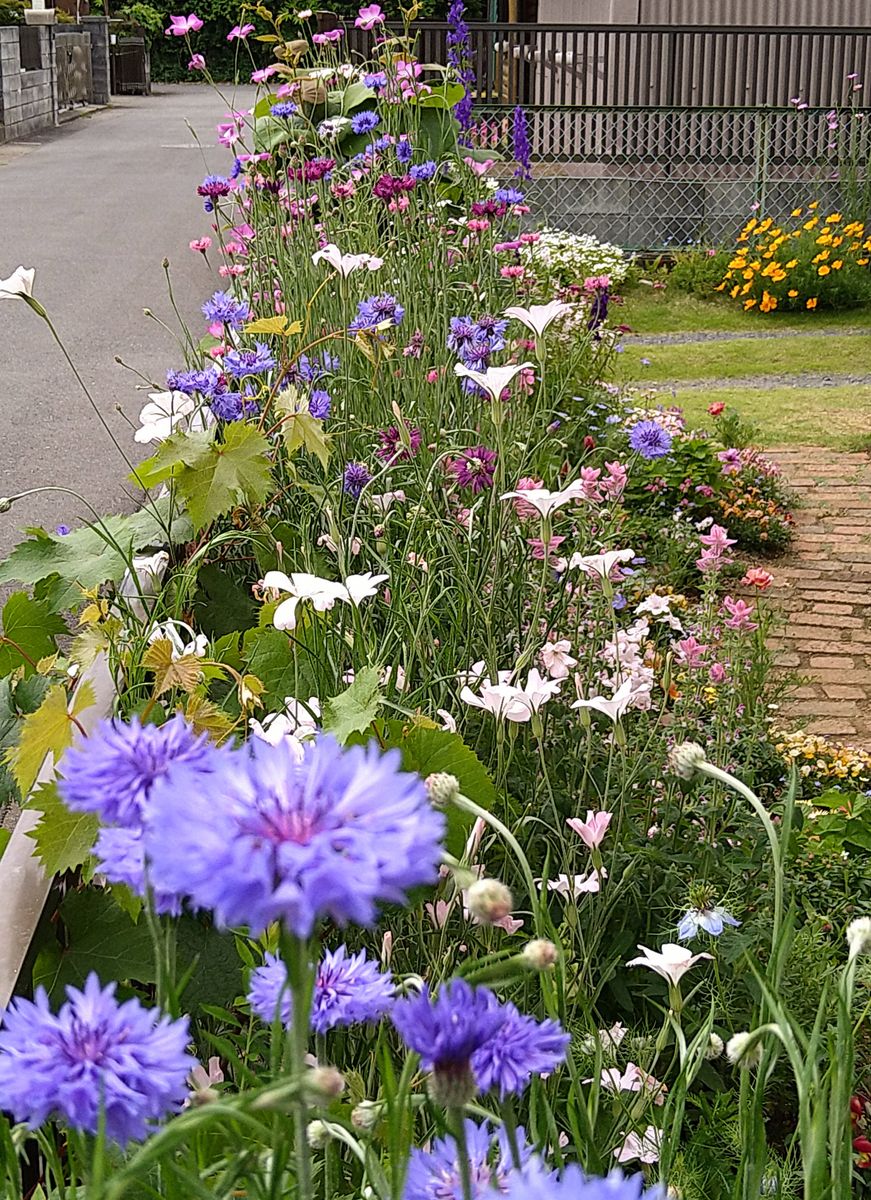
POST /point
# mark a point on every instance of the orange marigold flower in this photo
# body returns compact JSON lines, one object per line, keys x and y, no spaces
{"x":792,"y":294}
{"x":812,"y":303}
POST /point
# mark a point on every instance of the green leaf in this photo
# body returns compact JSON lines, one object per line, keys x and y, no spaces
{"x":221,"y":604}
{"x":217,"y":976}
{"x":217,"y":477}
{"x":49,"y":730}
{"x":299,"y":428}
{"x":32,"y":627}
{"x":101,"y":938}
{"x":15,"y":703}
{"x":354,"y":710}
{"x":355,"y":95}
{"x":63,"y":839}
{"x":269,"y":656}
{"x":280,"y":325}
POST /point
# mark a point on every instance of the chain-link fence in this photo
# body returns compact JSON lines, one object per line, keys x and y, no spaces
{"x":655,"y":178}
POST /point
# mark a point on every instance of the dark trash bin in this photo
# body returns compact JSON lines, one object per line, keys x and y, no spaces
{"x":131,"y":66}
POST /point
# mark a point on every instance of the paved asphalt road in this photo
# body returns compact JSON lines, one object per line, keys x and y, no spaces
{"x":95,"y":207}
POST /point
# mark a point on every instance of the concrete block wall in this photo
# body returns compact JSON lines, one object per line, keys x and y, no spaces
{"x":28,"y":99}
{"x":98,"y":29}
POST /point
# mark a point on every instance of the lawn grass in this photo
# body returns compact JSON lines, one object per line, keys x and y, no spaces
{"x":833,"y":354}
{"x":839,"y":417}
{"x":651,"y":312}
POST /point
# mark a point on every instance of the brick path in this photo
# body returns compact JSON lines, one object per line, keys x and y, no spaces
{"x":824,"y":586}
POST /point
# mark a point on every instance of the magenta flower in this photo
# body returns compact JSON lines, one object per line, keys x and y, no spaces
{"x":739,"y":615}
{"x":263,"y":74}
{"x":475,"y":467}
{"x":369,"y":16}
{"x":182,"y":26}
{"x":593,"y":830}
{"x":392,"y":448}
{"x":331,"y":35}
{"x":240,"y":32}
{"x":197,"y":63}
{"x":690,"y":652}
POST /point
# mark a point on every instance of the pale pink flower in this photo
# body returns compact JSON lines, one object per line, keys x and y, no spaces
{"x":672,"y":962}
{"x":556,"y":658}
{"x":600,"y":566}
{"x":614,"y":486}
{"x":478,"y":168}
{"x":239,"y":31}
{"x":578,"y":885}
{"x":438,"y":913}
{"x":201,"y":245}
{"x":369,"y":16}
{"x":261,"y":75}
{"x":718,"y":540}
{"x":739,"y":615}
{"x":645,"y":1148}
{"x":522,"y":507}
{"x":613,"y":708}
{"x":386,"y":947}
{"x":553,"y":546}
{"x":509,"y":924}
{"x":592,"y":831}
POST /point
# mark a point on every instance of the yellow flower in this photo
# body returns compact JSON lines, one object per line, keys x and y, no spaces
{"x":815,"y":204}
{"x":833,"y":218}
{"x":824,"y":270}
{"x":812,"y":303}
{"x":738,"y":263}
{"x":748,"y":304}
{"x":837,"y":264}
{"x":792,"y":294}
{"x":863,"y":262}
{"x":796,"y":212}
{"x":812,"y":223}
{"x":778,"y":276}
{"x":769,"y":303}
{"x":793,"y":262}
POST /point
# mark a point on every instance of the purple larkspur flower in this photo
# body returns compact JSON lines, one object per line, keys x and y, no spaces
{"x":434,"y":1174}
{"x":240,"y":363}
{"x":377,"y":310}
{"x":284,"y":109}
{"x":227,"y":310}
{"x":475,"y":467}
{"x":320,"y":404}
{"x":448,"y":1028}
{"x":349,"y":989}
{"x":94,"y":1055}
{"x":335,"y":834}
{"x":365,"y":122}
{"x":423,"y":172}
{"x":392,"y":448}
{"x":354,"y":478}
{"x":649,"y":439}
{"x":535,"y":1184}
{"x":520,"y":1048}
{"x":521,"y":148}
{"x":459,"y":45}
{"x":114,"y":771}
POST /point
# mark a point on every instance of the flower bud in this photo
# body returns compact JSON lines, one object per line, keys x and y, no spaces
{"x":489,"y":901}
{"x":859,"y":936}
{"x":5,"y":504}
{"x":317,"y":1135}
{"x":442,"y":789}
{"x":366,"y":1115}
{"x":741,"y":1054}
{"x":326,"y":1082}
{"x":540,"y":954}
{"x":453,"y":1086}
{"x":684,"y":760}
{"x":715,"y":1047}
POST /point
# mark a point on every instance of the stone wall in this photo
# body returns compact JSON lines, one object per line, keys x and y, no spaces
{"x":98,"y":28}
{"x":28,"y":98}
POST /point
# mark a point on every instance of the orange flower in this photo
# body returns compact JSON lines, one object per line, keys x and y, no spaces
{"x":769,"y":303}
{"x":824,"y":270}
{"x":833,"y":218}
{"x":837,"y":264}
{"x":748,"y":304}
{"x":812,"y":303}
{"x":792,"y":294}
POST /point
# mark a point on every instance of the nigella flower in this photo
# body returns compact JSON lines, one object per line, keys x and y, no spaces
{"x":284,"y":109}
{"x":320,"y":404}
{"x":213,"y":188}
{"x":521,"y":148}
{"x":434,"y":1174}
{"x":520,"y":1048}
{"x":354,"y":478}
{"x":272,"y":838}
{"x":445,"y":1031}
{"x":94,"y":1057}
{"x":375,"y":312}
{"x":423,"y":172}
{"x":349,"y":988}
{"x":365,"y":122}
{"x":393,"y":449}
{"x":649,"y":439}
{"x":226,"y":310}
{"x":508,"y":195}
{"x":227,"y":406}
{"x":240,"y":363}
{"x":710,"y":920}
{"x":475,"y":467}
{"x":113,"y":772}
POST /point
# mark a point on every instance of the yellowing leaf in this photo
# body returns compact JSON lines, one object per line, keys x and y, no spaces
{"x":278,"y":325}
{"x":181,"y":672}
{"x":299,"y":429}
{"x":49,"y":730}
{"x":206,"y":717}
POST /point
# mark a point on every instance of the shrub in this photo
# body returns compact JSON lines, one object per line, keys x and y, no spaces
{"x":698,"y":272}
{"x":818,"y":263}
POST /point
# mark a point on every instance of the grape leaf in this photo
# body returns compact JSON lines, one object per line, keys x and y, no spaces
{"x":169,"y":672}
{"x":221,"y":475}
{"x":63,"y":839}
{"x":269,"y":656}
{"x":49,"y":730}
{"x":31,"y":628}
{"x":354,"y":710}
{"x":299,"y":429}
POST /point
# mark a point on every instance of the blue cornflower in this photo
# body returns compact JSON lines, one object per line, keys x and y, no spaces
{"x":227,"y":406}
{"x":236,"y":169}
{"x":240,"y":363}
{"x":534,"y":1184}
{"x":649,"y":439}
{"x":227,"y":310}
{"x":448,"y":1029}
{"x":476,"y":356}
{"x":365,"y":122}
{"x":520,"y":1048}
{"x":206,"y":382}
{"x":354,"y":478}
{"x":375,"y":80}
{"x":62,"y":530}
{"x":94,"y":1056}
{"x":272,"y":838}
{"x":434,"y":1174}
{"x":711,"y":920}
{"x":375,"y":311}
{"x":120,"y":855}
{"x":404,"y":151}
{"x":382,"y":143}
{"x":521,"y":148}
{"x":213,"y":188}
{"x":492,"y":331}
{"x":310,"y":370}
{"x":421,"y":172}
{"x":349,"y":988}
{"x":508,"y":195}
{"x":284,"y":109}
{"x":113,"y":772}
{"x":461,"y":334}
{"x":619,"y":602}
{"x":320,"y":404}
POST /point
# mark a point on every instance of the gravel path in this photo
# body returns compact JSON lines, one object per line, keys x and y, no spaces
{"x":805,"y":379}
{"x":689,"y":338}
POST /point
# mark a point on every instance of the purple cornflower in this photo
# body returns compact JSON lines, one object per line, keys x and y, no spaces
{"x":414,"y":349}
{"x":535,"y":1184}
{"x":649,"y":439}
{"x":508,"y":195}
{"x":273,"y":838}
{"x":434,"y":1174}
{"x":422,"y":172}
{"x":492,"y":331}
{"x":120,"y":855}
{"x":392,"y":448}
{"x":113,"y":772}
{"x":313,"y":170}
{"x":520,"y":144}
{"x":240,"y":363}
{"x":227,"y":406}
{"x":349,"y":988}
{"x":227,"y":310}
{"x":475,"y":467}
{"x":461,"y":334}
{"x":598,"y":308}
{"x":320,"y":404}
{"x":521,"y":1047}
{"x":94,"y":1057}
{"x":404,"y":151}
{"x":376,"y":80}
{"x":365,"y":122}
{"x":354,"y":478}
{"x":446,"y":1030}
{"x":284,"y":109}
{"x":310,"y":370}
{"x":375,"y":311}
{"x":206,"y":382}
{"x":211,"y":189}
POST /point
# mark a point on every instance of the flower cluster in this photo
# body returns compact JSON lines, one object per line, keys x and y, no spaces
{"x":563,"y":258}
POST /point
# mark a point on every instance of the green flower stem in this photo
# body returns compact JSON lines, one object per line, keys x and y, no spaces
{"x":458,"y":1129}
{"x":471,"y":807}
{"x":295,"y":952}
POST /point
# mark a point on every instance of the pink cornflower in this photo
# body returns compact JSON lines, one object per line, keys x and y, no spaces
{"x":201,"y":245}
{"x":690,"y":652}
{"x":232,"y":271}
{"x":503,"y":246}
{"x":512,"y":272}
{"x":595,"y":283}
{"x":739,"y":615}
{"x":182,"y":26}
{"x":592,"y":831}
{"x":239,"y":31}
{"x":758,"y":578}
{"x":475,"y":467}
{"x":369,"y":16}
{"x":261,"y":75}
{"x":432,"y":376}
{"x":478,"y":225}
{"x":343,"y":191}
{"x":393,"y":449}
{"x":197,"y":63}
{"x":529,"y":239}
{"x":523,"y":509}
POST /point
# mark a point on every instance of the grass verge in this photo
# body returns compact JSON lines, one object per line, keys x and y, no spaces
{"x":651,"y":312}
{"x":838,"y":353}
{"x":839,"y":417}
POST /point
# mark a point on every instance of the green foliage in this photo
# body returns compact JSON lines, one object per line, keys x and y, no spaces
{"x":63,"y":839}
{"x":697,"y":272}
{"x":46,"y":732}
{"x":29,"y":630}
{"x":17,"y":700}
{"x":354,"y":710}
